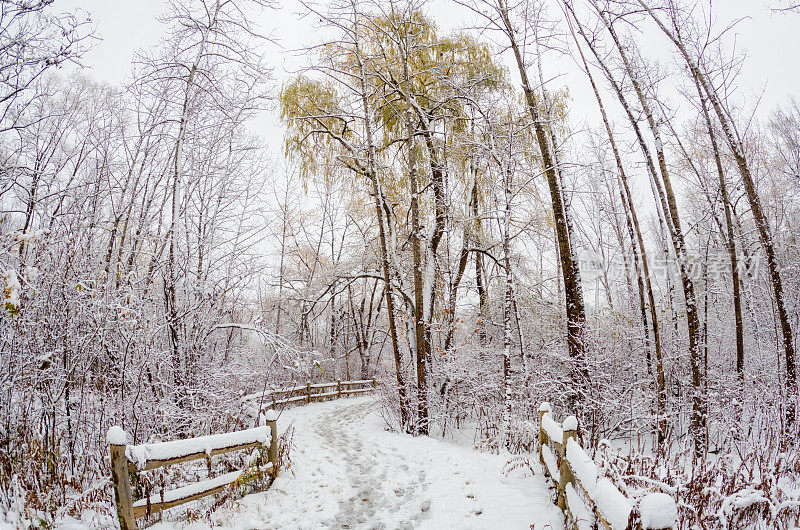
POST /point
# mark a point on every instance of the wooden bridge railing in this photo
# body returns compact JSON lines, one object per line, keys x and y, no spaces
{"x":130,"y":460}
{"x":583,"y":494}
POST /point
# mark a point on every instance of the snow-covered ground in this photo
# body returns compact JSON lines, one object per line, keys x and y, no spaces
{"x":349,"y":472}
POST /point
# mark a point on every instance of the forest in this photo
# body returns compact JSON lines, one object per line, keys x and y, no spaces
{"x":442,"y":216}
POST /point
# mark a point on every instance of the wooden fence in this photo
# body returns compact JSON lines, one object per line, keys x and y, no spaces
{"x":130,"y":460}
{"x":586,"y":497}
{"x":311,"y":393}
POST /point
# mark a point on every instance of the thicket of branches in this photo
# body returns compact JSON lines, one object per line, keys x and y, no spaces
{"x":440,"y":221}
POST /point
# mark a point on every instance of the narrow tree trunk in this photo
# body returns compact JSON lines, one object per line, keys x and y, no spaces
{"x":731,"y":236}
{"x":483,"y":295}
{"x":463,"y":259}
{"x":281,"y":266}
{"x":576,"y":313}
{"x":179,"y":362}
{"x":669,"y":204}
{"x":639,"y":249}
{"x":421,"y":345}
{"x":504,"y":438}
{"x":372,"y":175}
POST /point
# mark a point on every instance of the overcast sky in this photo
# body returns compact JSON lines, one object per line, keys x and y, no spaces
{"x":771,"y":41}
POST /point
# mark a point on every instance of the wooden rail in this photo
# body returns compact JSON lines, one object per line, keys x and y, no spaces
{"x":129,"y":460}
{"x":584,"y":495}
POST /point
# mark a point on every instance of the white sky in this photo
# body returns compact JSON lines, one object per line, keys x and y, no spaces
{"x":771,"y":41}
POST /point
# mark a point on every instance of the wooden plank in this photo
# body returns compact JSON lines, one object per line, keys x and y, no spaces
{"x":290,"y":400}
{"x":271,"y":393}
{"x":357,"y":391}
{"x":154,"y":464}
{"x":324,"y":395}
{"x":140,"y":508}
{"x":277,"y":392}
{"x":288,"y":390}
{"x":323,"y":385}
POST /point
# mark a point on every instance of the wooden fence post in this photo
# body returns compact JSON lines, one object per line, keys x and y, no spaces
{"x":570,"y":427}
{"x":121,"y":479}
{"x":544,"y":408}
{"x":338,"y":389}
{"x":373,"y":385}
{"x":272,"y":452}
{"x":308,"y":392}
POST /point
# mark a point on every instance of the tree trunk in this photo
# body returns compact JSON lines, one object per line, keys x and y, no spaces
{"x":639,"y":249}
{"x":731,"y":236}
{"x":576,"y":313}
{"x":670,"y":207}
{"x":468,"y":239}
{"x":421,"y":344}
{"x":372,"y":175}
{"x":483,"y":295}
{"x":507,"y":401}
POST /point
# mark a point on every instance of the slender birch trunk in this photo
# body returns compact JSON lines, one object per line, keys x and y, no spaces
{"x":507,"y":309}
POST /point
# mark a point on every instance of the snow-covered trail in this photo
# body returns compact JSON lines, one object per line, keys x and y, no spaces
{"x":348,"y":472}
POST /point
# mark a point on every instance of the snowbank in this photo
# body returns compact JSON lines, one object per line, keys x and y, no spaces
{"x":658,"y":510}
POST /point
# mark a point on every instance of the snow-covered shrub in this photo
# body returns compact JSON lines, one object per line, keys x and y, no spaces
{"x":739,"y":488}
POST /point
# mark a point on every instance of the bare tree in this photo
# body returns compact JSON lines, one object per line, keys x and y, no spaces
{"x":676,"y":28}
{"x":498,"y":17}
{"x":637,"y":243}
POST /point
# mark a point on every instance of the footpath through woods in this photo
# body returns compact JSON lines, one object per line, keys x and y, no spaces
{"x":347,"y":471}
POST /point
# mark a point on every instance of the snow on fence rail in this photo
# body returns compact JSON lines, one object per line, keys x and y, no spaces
{"x":127,"y":460}
{"x":311,"y":392}
{"x":583,"y":494}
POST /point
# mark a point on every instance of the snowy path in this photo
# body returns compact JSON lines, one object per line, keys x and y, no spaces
{"x":347,"y":472}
